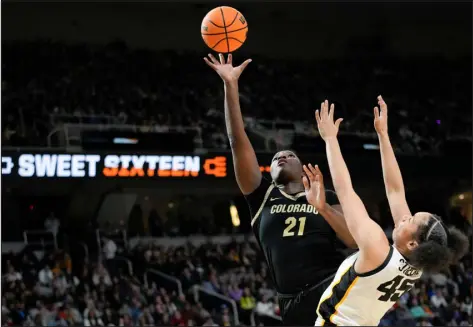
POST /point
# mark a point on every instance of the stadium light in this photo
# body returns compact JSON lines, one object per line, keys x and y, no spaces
{"x":234,"y":215}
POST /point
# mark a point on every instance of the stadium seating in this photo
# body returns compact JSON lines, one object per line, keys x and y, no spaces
{"x":47,"y":85}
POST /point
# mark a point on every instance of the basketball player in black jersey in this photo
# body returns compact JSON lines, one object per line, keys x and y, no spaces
{"x":297,"y":223}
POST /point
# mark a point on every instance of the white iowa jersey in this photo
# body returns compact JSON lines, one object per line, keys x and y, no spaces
{"x":362,"y":299}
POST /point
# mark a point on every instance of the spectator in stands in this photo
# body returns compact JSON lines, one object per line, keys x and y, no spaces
{"x":438,"y":300}
{"x":155,"y":223}
{"x":466,"y":306}
{"x":125,"y":320}
{"x":171,"y":307}
{"x":46,"y":278}
{"x":63,"y":263}
{"x":52,"y":224}
{"x":209,"y":322}
{"x":101,"y":276}
{"x":146,"y":318}
{"x":439,"y":279}
{"x":265,"y":307}
{"x":12,"y":275}
{"x":177,"y":319}
{"x":60,"y":284}
{"x":109,"y":248}
{"x":188,"y":278}
{"x":265,"y":291}
{"x":224,"y":317}
{"x":71,"y":313}
{"x":247,"y":304}
{"x":110,"y":318}
{"x":92,"y":318}
{"x":235,"y":292}
{"x":417,"y":310}
{"x":212,"y":284}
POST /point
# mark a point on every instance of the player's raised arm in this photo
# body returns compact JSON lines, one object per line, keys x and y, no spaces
{"x":247,"y":172}
{"x":391,"y":172}
{"x":370,"y":238}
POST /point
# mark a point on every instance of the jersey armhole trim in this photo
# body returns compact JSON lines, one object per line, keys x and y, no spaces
{"x":381,"y":267}
{"x":268,"y":191}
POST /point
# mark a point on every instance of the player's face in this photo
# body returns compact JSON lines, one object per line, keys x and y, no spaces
{"x":404,"y":235}
{"x":285,"y":167}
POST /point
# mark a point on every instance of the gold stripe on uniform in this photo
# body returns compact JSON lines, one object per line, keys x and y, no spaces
{"x":270,"y":188}
{"x":323,"y":323}
{"x":331,"y":289}
{"x":292,"y":197}
{"x":343,"y":298}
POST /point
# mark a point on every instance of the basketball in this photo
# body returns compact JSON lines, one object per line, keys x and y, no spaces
{"x":224,"y":29}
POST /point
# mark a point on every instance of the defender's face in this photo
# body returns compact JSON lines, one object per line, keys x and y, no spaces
{"x":285,"y":166}
{"x":404,"y":233}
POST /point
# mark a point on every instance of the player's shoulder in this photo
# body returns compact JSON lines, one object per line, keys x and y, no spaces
{"x":258,"y":198}
{"x":262,"y":188}
{"x":396,"y":264}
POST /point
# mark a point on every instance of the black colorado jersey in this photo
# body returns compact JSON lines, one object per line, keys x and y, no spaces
{"x":300,"y":247}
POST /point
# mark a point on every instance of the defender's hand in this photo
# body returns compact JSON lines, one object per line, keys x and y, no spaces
{"x":325,"y":124}
{"x":381,"y":118}
{"x":314,"y":186}
{"x":225,"y":70}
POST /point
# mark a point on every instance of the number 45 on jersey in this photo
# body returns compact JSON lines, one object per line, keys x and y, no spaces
{"x":392,"y":291}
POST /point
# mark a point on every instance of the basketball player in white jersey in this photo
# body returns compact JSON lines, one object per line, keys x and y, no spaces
{"x":370,"y":281}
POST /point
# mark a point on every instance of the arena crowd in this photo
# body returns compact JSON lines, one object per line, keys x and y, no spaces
{"x":46,"y":84}
{"x":115,"y":288}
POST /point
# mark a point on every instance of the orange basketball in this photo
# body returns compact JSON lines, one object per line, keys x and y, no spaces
{"x":224,"y":29}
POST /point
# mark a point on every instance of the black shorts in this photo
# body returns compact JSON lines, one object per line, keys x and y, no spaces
{"x":301,"y":309}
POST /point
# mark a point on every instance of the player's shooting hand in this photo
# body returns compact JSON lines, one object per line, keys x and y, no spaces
{"x":381,"y":118}
{"x":225,"y":69}
{"x":325,"y":124}
{"x":314,"y":186}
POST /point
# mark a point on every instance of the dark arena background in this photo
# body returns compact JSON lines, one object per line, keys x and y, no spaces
{"x":119,"y":201}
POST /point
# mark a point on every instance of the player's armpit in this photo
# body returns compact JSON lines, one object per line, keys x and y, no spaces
{"x":374,"y":252}
{"x":258,"y":197}
{"x":367,"y":234}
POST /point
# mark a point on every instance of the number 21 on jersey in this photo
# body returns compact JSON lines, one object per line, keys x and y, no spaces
{"x":291,"y":223}
{"x":392,"y":291}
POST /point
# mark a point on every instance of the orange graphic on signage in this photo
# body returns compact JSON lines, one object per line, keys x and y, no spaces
{"x":265,"y":169}
{"x":132,"y":172}
{"x":123,"y":172}
{"x":216,"y":166}
{"x":177,"y":173}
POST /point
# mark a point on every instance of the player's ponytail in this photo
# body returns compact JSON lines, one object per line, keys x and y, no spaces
{"x":458,"y":244}
{"x":438,"y":247}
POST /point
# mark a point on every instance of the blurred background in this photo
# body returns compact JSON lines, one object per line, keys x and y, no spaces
{"x":119,"y":203}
